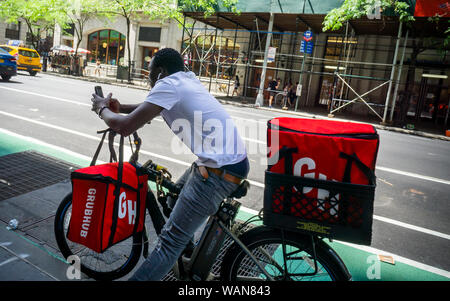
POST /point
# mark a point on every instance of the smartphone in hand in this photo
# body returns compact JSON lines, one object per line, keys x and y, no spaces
{"x":99,"y":91}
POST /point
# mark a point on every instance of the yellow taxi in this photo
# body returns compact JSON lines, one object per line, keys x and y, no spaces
{"x":27,"y":59}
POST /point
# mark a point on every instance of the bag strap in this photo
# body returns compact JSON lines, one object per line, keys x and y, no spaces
{"x":94,"y":159}
{"x":362,"y":167}
{"x":286,"y":154}
{"x":117,"y":193}
{"x":112,"y":152}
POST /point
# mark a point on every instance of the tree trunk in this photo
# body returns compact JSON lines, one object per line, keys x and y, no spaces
{"x":30,"y":29}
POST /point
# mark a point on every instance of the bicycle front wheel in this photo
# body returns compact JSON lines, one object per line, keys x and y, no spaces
{"x":290,"y":258}
{"x":114,"y":263}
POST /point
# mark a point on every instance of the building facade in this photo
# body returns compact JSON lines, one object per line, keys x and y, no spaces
{"x":12,"y":31}
{"x":357,"y":69}
{"x":106,"y":40}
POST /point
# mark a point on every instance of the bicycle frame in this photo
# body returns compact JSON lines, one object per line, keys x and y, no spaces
{"x":198,"y":267}
{"x":213,"y":236}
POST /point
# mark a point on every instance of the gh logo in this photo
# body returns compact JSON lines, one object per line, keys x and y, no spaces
{"x":123,"y":208}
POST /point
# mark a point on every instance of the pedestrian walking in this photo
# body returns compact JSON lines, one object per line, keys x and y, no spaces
{"x":97,"y":68}
{"x":273,"y":86}
{"x":236,"y":86}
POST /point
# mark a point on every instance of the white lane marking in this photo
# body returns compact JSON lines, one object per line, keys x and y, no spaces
{"x":159,"y":119}
{"x":246,"y":112}
{"x":390,"y":221}
{"x":411,"y":227}
{"x":413,"y":175}
{"x":255,"y":183}
{"x":21,"y":256}
{"x":47,"y":96}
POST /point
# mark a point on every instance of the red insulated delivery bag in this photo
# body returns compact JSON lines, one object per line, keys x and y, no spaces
{"x":320,"y":177}
{"x":108,"y":203}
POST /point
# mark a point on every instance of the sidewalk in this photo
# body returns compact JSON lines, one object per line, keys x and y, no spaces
{"x":309,"y":112}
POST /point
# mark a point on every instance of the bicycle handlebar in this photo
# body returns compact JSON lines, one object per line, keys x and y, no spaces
{"x":154,"y":171}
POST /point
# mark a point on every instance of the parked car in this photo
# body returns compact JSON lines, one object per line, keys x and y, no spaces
{"x":27,"y":59}
{"x":8,"y":65}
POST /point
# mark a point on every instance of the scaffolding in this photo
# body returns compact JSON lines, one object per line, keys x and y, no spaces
{"x":341,"y":78}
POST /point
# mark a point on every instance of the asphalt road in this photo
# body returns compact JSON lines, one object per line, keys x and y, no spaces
{"x":413,"y":173}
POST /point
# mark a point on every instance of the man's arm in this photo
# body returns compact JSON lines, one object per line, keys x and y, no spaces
{"x":127,"y":109}
{"x":138,"y":116}
{"x":115,"y":106}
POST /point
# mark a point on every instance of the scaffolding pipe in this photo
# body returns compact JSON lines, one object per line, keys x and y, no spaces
{"x":311,"y":72}
{"x":260,"y":97}
{"x":301,"y":77}
{"x":398,"y":77}
{"x":214,"y":54}
{"x":394,"y":61}
{"x":232,"y":61}
{"x":182,"y":35}
{"x":247,"y":68}
{"x":201,"y":57}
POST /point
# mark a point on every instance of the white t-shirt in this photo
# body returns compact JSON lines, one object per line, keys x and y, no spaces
{"x":198,"y":119}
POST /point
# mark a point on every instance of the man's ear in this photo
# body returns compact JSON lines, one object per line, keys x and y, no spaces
{"x":164,"y":72}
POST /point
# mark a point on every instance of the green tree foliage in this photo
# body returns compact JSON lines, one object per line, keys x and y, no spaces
{"x":38,"y":15}
{"x":77,"y":12}
{"x":355,"y":9}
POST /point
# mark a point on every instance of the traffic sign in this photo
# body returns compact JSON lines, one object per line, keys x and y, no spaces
{"x":271,"y":54}
{"x":309,"y":47}
{"x":306,"y":47}
{"x":307,"y":35}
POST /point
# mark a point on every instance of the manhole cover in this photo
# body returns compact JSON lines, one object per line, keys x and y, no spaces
{"x":27,"y":171}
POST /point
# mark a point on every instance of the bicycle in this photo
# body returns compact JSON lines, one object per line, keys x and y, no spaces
{"x":258,"y":253}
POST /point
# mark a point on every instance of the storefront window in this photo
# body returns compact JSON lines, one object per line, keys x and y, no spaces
{"x":121,"y":49}
{"x":92,"y":46}
{"x":106,"y":45}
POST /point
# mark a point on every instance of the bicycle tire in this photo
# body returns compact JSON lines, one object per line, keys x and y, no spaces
{"x":237,"y":265}
{"x":134,"y":244}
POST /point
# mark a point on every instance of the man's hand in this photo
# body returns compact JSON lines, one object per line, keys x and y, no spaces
{"x":99,"y":102}
{"x":114,"y":105}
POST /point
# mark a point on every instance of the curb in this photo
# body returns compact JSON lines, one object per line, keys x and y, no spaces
{"x":377,"y":126}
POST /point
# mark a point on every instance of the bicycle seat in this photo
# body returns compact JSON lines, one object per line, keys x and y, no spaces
{"x":241,"y":190}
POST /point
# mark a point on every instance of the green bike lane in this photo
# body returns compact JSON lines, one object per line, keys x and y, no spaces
{"x":362,"y":261}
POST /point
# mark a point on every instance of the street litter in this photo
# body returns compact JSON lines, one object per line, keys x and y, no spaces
{"x":13,"y":224}
{"x":5,"y":182}
{"x":386,"y":258}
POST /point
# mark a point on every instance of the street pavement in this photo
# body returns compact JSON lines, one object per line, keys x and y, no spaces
{"x":52,"y":115}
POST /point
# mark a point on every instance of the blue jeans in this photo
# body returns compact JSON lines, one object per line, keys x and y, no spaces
{"x":197,"y":201}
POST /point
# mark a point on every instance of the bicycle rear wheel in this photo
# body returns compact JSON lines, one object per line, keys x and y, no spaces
{"x":115,"y":262}
{"x":266,"y":245}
